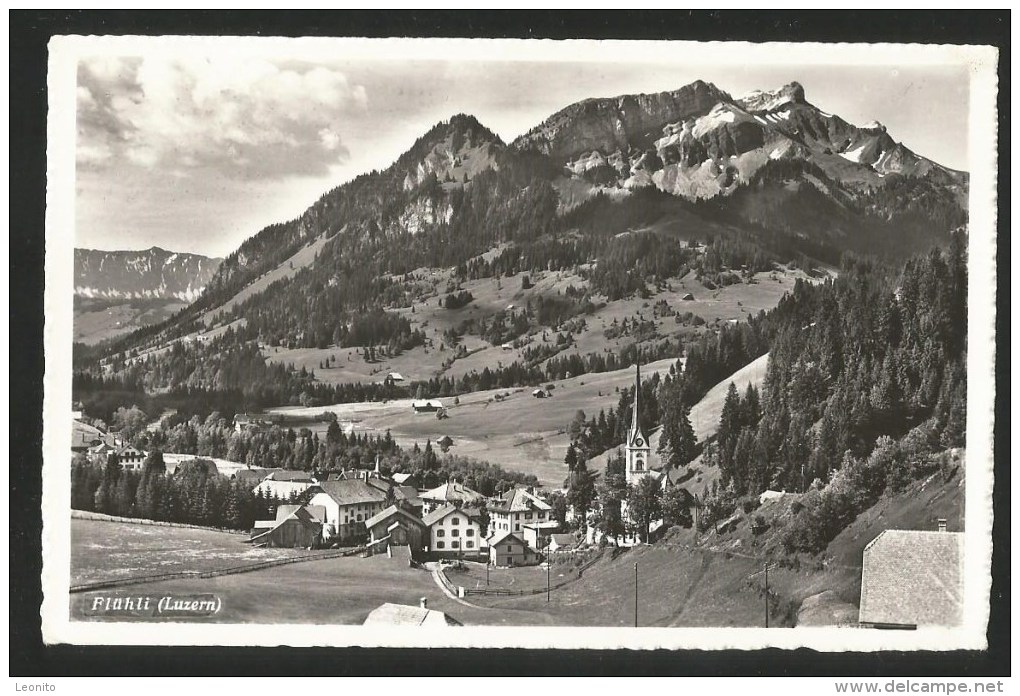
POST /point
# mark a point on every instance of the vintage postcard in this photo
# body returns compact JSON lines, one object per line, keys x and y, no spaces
{"x":486,"y":343}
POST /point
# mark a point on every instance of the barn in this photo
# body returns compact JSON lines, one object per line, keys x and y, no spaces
{"x":295,"y":527}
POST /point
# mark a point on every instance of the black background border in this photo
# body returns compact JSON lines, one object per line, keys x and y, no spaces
{"x":29,"y":32}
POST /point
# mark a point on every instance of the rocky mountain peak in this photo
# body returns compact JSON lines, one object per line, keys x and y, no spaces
{"x":759,"y":100}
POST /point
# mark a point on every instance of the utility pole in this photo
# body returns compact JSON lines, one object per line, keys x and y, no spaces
{"x":489,"y":563}
{"x":764,"y":570}
{"x":635,"y":595}
{"x":547,"y":588}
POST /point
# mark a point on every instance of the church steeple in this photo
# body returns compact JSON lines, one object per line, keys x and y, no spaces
{"x":638,"y":448}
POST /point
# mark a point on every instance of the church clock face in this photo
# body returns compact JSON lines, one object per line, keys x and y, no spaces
{"x":639,"y":442}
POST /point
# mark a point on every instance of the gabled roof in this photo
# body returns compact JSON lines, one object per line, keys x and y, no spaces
{"x":253,"y":475}
{"x":289,"y":475}
{"x":405,"y":615}
{"x":453,"y":491}
{"x":519,"y":500}
{"x":315,"y":513}
{"x":408,"y":493}
{"x":913,"y":578}
{"x":401,"y":479}
{"x":351,"y":492}
{"x":563,"y":539}
{"x":500,"y":537}
{"x":392,"y":511}
{"x":436,"y":515}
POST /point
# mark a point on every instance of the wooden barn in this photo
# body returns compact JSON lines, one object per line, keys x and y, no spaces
{"x":398,"y":527}
{"x":295,"y":527}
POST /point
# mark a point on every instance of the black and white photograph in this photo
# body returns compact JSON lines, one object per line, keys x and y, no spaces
{"x":511,"y":343}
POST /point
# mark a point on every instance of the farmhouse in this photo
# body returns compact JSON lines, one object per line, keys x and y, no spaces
{"x":515,"y":508}
{"x":405,"y":615}
{"x":912,"y":579}
{"x":404,"y":479}
{"x":131,"y":458}
{"x":510,"y":549}
{"x":454,"y":532}
{"x":295,"y":526}
{"x":450,"y":492}
{"x":399,"y":527}
{"x":348,"y":505}
{"x":426,"y":405}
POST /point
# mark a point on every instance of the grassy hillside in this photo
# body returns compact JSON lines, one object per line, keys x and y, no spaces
{"x":711,"y":580}
{"x":119,"y":550}
{"x":520,"y":432}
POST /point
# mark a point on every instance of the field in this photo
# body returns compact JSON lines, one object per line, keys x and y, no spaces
{"x":474,"y":576}
{"x":103,"y":551}
{"x":520,"y":432}
{"x":96,"y":320}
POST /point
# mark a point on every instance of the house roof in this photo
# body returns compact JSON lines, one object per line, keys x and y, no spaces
{"x":408,"y":493}
{"x":519,"y":500}
{"x":913,"y":578}
{"x":499,"y":537}
{"x":453,"y":491}
{"x":405,"y":615}
{"x":315,"y":513}
{"x":436,"y":515}
{"x":563,"y":539}
{"x":547,"y":524}
{"x":288,"y":475}
{"x":351,"y":492}
{"x":427,"y":403}
{"x":402,"y":478}
{"x":392,"y":511}
{"x":253,"y":475}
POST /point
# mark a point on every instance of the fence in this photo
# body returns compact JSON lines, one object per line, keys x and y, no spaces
{"x":464,"y":591}
{"x":100,"y":517}
{"x":262,"y":565}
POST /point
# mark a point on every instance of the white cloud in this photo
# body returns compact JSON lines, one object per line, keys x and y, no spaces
{"x":244,"y":118}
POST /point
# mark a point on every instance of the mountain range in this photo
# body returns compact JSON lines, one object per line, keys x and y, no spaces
{"x":116,"y":292}
{"x":767,"y":174}
{"x":149,"y":274}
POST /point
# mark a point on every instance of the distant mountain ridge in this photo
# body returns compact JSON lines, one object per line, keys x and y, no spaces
{"x":153,"y":273}
{"x":699,"y":142}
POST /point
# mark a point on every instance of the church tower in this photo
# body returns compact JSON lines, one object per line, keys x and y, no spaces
{"x":638,"y":449}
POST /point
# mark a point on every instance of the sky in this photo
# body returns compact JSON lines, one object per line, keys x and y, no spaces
{"x":196,"y":152}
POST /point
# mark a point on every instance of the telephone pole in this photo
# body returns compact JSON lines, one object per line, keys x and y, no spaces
{"x":635,"y":595}
{"x":765,"y":570}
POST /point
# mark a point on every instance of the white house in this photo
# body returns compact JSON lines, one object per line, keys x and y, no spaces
{"x":516,"y":508}
{"x":455,"y":531}
{"x":450,"y":492}
{"x":348,"y":505}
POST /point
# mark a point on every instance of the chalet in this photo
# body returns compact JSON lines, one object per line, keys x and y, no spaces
{"x":539,"y":393}
{"x":348,"y":505}
{"x":537,"y":534}
{"x":516,"y":508}
{"x":397,"y":527}
{"x":454,"y":532}
{"x":390,"y":614}
{"x":131,"y":458}
{"x":562,"y":543}
{"x":395,"y":377}
{"x":688,"y":297}
{"x":912,"y":579}
{"x":445,"y":442}
{"x":426,"y":405}
{"x":295,"y":527}
{"x":450,"y":492}
{"x":510,"y":549}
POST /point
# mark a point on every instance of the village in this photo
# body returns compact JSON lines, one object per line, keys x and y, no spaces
{"x":454,"y":531}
